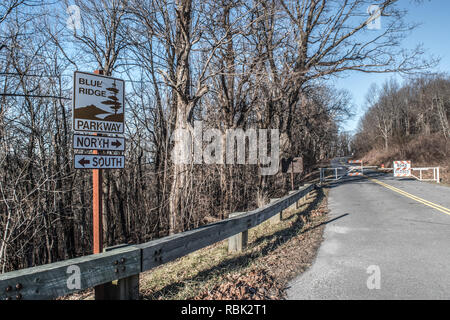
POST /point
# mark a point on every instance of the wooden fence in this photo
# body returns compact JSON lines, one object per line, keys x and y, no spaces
{"x":115,"y":272}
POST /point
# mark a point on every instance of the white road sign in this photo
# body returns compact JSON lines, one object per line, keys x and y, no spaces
{"x":88,"y":142}
{"x":98,"y":103}
{"x":402,"y":168}
{"x":95,"y":161}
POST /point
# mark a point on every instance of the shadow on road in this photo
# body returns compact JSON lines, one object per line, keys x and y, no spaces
{"x":326,"y":222}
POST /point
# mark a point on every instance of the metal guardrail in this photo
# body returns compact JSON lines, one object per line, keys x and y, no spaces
{"x":69,"y":276}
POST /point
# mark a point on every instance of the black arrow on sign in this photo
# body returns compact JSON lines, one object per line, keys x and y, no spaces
{"x":116,"y":143}
{"x":84,"y":161}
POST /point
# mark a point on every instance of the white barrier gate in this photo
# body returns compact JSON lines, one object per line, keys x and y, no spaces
{"x":337,"y":173}
{"x":404,"y":169}
{"x":435,"y":178}
{"x":400,"y":169}
{"x":334,"y":177}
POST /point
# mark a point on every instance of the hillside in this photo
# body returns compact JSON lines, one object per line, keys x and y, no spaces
{"x":407,"y":122}
{"x":423,"y":151}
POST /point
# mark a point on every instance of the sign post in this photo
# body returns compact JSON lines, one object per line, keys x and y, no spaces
{"x":97,"y":198}
{"x":292,"y":165}
{"x":98,"y":108}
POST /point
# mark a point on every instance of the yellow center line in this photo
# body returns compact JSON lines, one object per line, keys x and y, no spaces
{"x":416,"y":198}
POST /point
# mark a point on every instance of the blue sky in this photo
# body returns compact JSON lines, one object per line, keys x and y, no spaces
{"x":433,"y":33}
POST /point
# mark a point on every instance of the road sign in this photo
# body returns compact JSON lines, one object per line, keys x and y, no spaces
{"x":97,"y":161}
{"x":402,"y":168}
{"x":297,"y":165}
{"x":88,"y":142}
{"x":98,"y":103}
{"x":292,"y":165}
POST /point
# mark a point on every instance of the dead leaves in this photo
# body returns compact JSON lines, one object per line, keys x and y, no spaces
{"x":254,"y":285}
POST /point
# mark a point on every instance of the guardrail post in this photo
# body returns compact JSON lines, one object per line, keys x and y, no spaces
{"x":238,"y":242}
{"x":276,"y":218}
{"x":306,"y":197}
{"x":438,"y":180}
{"x":293,"y":206}
{"x":303,"y":199}
{"x":128,"y":288}
{"x":122,"y":289}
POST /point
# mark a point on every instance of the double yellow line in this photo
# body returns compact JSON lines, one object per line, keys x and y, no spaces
{"x":406,"y":194}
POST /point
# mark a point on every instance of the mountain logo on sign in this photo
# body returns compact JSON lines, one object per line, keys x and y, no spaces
{"x":92,"y":112}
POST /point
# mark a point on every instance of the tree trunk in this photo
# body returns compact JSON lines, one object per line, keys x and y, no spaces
{"x":183,"y":108}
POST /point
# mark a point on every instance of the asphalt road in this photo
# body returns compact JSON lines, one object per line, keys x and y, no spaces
{"x":381,"y":243}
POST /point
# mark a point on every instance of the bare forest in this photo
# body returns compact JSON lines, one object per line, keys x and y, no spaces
{"x":408,"y":121}
{"x":233,"y":64}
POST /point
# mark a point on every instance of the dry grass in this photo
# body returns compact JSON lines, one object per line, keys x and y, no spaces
{"x":275,"y":254}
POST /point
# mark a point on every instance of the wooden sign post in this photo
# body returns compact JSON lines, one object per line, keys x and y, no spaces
{"x":292,"y":178}
{"x":97,"y":181}
{"x":97,"y":217}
